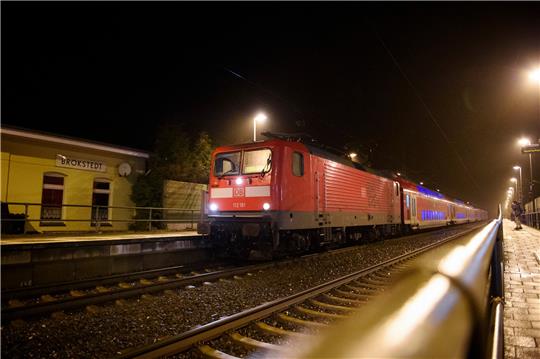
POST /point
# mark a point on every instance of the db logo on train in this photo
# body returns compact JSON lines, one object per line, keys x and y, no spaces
{"x":238,"y":192}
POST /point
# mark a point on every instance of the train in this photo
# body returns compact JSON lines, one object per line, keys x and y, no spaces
{"x":284,"y":195}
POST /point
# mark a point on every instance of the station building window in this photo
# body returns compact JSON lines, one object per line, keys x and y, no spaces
{"x":298,"y":164}
{"x":100,"y":199}
{"x":52,"y":197}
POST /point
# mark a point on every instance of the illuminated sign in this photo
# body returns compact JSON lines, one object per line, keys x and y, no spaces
{"x":534,"y":148}
{"x":80,"y":164}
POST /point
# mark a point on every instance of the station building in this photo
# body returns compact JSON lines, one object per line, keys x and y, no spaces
{"x":67,"y":184}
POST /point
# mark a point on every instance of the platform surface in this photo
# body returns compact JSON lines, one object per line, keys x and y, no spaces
{"x":65,"y":238}
{"x":522,"y":291}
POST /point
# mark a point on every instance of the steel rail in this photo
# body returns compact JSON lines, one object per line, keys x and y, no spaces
{"x":26,"y":292}
{"x":214,"y":329}
{"x":120,"y":293}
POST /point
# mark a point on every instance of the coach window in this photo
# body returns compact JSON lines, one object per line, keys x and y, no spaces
{"x":100,"y":200}
{"x":298,"y":164}
{"x":52,"y":197}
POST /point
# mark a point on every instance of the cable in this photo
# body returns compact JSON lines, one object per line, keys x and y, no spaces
{"x":426,"y":107}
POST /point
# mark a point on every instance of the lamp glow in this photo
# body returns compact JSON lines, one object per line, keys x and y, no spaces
{"x":260,"y":118}
{"x":213,"y":207}
{"x":352,"y":155}
{"x":239,"y":181}
{"x":266,"y":206}
{"x":524,"y":141}
{"x":534,"y":75}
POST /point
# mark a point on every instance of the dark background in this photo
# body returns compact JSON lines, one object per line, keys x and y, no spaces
{"x":438,"y":91}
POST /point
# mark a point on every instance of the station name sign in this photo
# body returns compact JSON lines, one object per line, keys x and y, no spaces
{"x":534,"y":148}
{"x":81,"y":164}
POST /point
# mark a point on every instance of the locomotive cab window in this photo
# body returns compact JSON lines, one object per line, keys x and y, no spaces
{"x":297,"y":164}
{"x":257,"y":161}
{"x":227,"y":164}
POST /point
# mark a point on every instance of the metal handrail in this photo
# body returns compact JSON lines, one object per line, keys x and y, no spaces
{"x":97,"y":221}
{"x":439,"y":309}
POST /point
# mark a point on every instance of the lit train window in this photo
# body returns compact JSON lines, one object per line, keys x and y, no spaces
{"x":227,"y":164}
{"x":257,"y":161}
{"x":408,"y":200}
{"x":297,"y":164}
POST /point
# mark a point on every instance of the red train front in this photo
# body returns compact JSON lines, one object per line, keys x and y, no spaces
{"x":284,"y":196}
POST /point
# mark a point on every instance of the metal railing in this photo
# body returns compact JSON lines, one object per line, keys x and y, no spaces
{"x":532,"y":219}
{"x":23,"y":214}
{"x":448,"y":306}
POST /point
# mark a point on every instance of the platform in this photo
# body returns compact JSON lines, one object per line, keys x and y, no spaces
{"x":30,"y":260}
{"x":522,"y":291}
{"x":67,"y":237}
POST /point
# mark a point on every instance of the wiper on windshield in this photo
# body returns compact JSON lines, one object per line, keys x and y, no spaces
{"x":224,"y":173}
{"x":266,"y":167}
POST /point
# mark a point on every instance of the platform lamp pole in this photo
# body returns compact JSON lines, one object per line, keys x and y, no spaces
{"x":534,"y":77}
{"x":514,"y":181}
{"x":526,"y":142}
{"x":520,"y":183}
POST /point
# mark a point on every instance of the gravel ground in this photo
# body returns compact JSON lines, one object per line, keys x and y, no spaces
{"x":108,"y":330}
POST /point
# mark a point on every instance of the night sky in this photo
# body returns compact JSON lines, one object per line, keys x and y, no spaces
{"x":438,"y":91}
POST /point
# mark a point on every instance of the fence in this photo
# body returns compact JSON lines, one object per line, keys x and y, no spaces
{"x":532,"y":219}
{"x":18,"y":217}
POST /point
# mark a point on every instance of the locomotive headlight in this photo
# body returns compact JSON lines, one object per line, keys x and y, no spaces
{"x":213,"y":207}
{"x":239,"y":181}
{"x":266,"y":206}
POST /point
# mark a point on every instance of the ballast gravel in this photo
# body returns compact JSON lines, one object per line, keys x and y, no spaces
{"x":114,"y":328}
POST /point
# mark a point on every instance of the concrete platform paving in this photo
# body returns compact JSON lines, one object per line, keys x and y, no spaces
{"x":522,"y":291}
{"x":67,"y":237}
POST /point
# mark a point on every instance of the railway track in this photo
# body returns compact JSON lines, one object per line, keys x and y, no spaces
{"x":36,"y":301}
{"x":271,"y":326}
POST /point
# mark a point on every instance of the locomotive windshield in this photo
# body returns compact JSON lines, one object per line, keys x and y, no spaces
{"x":254,"y":161}
{"x":257,"y":161}
{"x":227,"y":164}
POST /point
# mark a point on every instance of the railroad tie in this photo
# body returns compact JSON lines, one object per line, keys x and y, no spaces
{"x":329,"y":306}
{"x":293,"y":320}
{"x":356,"y":296}
{"x":348,"y":301}
{"x":253,"y":343}
{"x":278,"y":331}
{"x":210,"y":352}
{"x":317,"y":314}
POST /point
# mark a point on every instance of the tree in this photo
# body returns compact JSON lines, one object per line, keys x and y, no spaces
{"x":177,"y":156}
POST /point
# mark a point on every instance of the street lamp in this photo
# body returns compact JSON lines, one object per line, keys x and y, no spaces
{"x":526,"y":142}
{"x":534,"y":75}
{"x":514,"y":181}
{"x":261,"y":117}
{"x":520,"y":183}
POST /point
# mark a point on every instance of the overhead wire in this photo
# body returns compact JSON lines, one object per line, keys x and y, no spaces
{"x":425,"y":106}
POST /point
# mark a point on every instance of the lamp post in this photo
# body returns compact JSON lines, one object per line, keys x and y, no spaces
{"x":261,"y":117}
{"x":526,"y":142}
{"x":514,"y":181}
{"x":520,"y":183}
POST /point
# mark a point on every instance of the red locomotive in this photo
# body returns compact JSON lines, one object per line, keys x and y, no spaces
{"x":283,"y":196}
